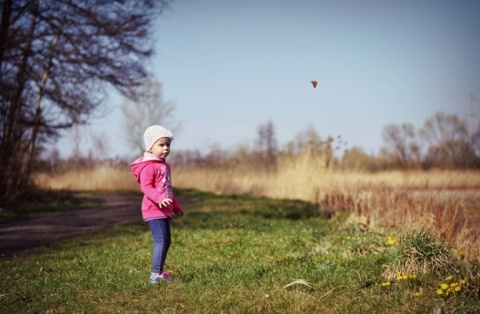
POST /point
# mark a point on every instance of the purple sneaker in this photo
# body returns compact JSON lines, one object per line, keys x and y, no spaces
{"x":166,"y":276}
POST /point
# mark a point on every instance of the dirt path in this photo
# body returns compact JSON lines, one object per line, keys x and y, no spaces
{"x":42,"y":230}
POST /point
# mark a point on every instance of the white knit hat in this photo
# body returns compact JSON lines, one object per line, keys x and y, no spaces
{"x":154,"y":133}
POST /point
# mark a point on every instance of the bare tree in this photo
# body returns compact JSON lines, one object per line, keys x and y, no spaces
{"x":449,"y":142}
{"x":401,"y":144}
{"x":76,"y":139}
{"x":356,"y":159}
{"x":476,"y":140}
{"x":53,"y":158}
{"x":306,"y":139}
{"x":149,"y":108}
{"x":267,"y":145}
{"x":57,"y":60}
{"x":100,"y":146}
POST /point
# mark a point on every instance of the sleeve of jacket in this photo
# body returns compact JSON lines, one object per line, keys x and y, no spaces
{"x":147,"y":179}
{"x":176,"y":204}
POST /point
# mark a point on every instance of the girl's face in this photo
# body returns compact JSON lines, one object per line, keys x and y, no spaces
{"x":161,"y":148}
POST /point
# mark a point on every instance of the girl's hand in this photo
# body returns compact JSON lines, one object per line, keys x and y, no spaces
{"x":165,"y":202}
{"x":178,"y":212}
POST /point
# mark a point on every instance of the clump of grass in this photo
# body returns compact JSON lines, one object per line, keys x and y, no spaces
{"x":422,"y":252}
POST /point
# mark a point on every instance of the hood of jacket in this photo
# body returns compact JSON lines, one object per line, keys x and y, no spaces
{"x":140,"y":163}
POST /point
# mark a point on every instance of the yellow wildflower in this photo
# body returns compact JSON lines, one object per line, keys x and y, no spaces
{"x":453,"y":284}
{"x":457,"y":288}
{"x":384,"y":284}
{"x":439,"y":291}
{"x":418,"y":294}
{"x":449,"y":278}
{"x":390,"y":240}
{"x":463,"y":281}
{"x":444,"y":286}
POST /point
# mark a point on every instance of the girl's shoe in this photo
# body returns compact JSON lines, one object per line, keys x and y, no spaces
{"x":166,"y":276}
{"x":154,"y":277}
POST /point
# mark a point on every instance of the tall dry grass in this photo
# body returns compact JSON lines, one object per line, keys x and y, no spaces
{"x":446,"y":202}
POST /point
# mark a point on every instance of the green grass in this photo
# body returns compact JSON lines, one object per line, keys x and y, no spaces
{"x":234,"y":255}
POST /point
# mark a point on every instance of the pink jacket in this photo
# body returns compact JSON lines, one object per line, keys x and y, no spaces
{"x":153,"y":174}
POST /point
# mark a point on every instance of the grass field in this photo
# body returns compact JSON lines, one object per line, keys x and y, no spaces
{"x":445,"y":202}
{"x":244,"y":254}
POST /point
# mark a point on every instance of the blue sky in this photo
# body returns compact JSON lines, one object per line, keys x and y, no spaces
{"x":231,"y":66}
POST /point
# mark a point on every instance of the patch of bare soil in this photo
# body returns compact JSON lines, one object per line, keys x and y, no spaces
{"x":27,"y":235}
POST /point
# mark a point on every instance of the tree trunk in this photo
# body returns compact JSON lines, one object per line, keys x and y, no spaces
{"x":27,"y":160}
{"x":10,"y":158}
{"x":4,"y":26}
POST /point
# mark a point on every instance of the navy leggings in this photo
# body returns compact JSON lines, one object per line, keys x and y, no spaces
{"x":162,"y":239}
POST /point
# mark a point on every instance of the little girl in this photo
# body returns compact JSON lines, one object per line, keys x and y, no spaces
{"x":159,"y":203}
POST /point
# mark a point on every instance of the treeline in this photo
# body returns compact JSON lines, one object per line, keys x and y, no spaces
{"x":444,"y":142}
